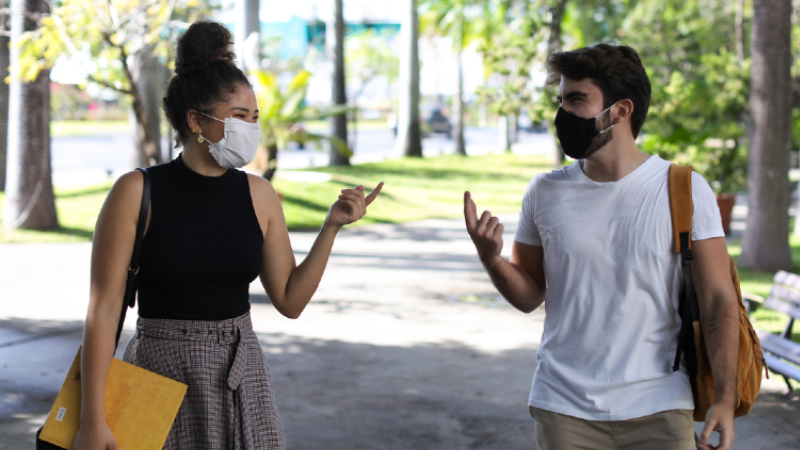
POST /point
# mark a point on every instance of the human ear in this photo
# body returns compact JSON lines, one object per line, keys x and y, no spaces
{"x":624,"y":109}
{"x":194,"y":120}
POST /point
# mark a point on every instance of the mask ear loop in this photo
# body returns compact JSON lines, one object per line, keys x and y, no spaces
{"x":604,"y":111}
{"x":201,"y":139}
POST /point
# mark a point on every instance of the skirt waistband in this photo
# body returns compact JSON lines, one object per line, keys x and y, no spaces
{"x":225,"y":332}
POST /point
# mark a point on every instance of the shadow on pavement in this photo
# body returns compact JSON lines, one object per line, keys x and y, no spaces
{"x":339,"y":395}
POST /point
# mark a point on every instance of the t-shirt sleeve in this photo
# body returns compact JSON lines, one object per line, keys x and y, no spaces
{"x":527,"y":232}
{"x":706,"y":221}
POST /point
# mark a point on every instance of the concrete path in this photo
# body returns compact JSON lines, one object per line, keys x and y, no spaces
{"x":405,"y":346}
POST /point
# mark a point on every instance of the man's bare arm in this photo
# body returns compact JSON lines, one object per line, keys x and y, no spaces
{"x":521,"y":281}
{"x":719,"y":319}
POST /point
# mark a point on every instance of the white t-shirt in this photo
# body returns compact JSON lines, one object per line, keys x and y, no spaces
{"x":613,"y":278}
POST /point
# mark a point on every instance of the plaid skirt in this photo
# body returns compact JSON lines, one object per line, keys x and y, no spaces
{"x":229,"y":404}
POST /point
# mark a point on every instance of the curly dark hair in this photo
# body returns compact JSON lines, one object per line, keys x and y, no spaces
{"x":616,"y":69}
{"x":204,"y":74}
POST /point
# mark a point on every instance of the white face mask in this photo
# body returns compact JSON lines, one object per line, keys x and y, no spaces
{"x":238,"y":147}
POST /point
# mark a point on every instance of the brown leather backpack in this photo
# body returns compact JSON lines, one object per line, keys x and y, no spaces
{"x":691,"y":342}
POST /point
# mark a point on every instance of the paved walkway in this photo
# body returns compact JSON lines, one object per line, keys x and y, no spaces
{"x":405,"y":346}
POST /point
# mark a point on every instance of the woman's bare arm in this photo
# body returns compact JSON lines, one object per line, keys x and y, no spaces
{"x":112,"y":247}
{"x":288,"y":285}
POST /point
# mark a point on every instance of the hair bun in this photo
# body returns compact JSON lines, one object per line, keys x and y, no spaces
{"x":202,"y":44}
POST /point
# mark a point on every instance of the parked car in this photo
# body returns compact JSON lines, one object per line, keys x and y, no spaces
{"x":438,"y":123}
{"x":435,"y":123}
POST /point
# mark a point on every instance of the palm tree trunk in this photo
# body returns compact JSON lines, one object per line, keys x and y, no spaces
{"x":29,"y":203}
{"x":765,"y":246}
{"x":409,"y":140}
{"x":458,"y":105}
{"x":245,"y":24}
{"x":272,"y":161}
{"x":339,"y":121}
{"x":4,"y":63}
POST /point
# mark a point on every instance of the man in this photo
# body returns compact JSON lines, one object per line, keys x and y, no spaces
{"x":594,"y":244}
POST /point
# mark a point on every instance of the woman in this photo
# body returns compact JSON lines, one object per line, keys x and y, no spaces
{"x":210,"y":231}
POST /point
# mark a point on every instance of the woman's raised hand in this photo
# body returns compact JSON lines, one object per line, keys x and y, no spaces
{"x":351,"y":206}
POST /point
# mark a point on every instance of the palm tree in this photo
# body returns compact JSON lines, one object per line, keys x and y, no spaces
{"x":29,"y":202}
{"x":409,"y":139}
{"x":4,"y":63}
{"x":247,"y":23}
{"x":339,"y":122}
{"x":765,"y":246}
{"x":454,"y":19}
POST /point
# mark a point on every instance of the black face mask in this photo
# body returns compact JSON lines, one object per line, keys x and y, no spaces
{"x":576,"y":133}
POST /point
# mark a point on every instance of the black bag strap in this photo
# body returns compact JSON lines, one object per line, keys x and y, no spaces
{"x":681,"y":208}
{"x":133,"y":269}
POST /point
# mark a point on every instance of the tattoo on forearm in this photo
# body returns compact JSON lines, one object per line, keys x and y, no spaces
{"x":712,"y":325}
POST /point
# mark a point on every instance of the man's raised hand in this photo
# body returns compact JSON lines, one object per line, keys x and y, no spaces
{"x":486,"y":232}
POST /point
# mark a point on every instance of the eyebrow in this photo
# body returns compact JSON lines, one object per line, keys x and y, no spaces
{"x":242,"y":108}
{"x":572,"y":95}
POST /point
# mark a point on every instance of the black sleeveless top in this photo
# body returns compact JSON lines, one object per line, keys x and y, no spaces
{"x":203,"y":247}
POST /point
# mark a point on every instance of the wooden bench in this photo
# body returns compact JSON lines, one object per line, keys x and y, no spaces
{"x":781,"y":354}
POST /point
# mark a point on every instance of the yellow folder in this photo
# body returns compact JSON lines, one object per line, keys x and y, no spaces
{"x":140,"y":407}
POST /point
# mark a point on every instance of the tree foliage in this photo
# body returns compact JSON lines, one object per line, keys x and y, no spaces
{"x":693,"y":51}
{"x":98,"y":37}
{"x":701,"y":86}
{"x":368,"y":57}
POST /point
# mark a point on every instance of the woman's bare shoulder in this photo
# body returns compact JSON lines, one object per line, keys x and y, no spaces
{"x":126,"y":194}
{"x":261,"y":189}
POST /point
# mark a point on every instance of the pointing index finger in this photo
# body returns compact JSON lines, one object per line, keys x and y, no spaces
{"x":374,"y":193}
{"x":470,"y":210}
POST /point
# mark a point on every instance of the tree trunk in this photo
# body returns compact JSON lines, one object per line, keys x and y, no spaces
{"x":148,"y":151}
{"x":246,"y":23}
{"x":148,"y":73}
{"x":513,"y":128}
{"x":505,"y":138}
{"x":765,"y":246}
{"x":29,"y":203}
{"x":554,"y":45}
{"x":339,"y":121}
{"x":272,"y":161}
{"x":409,"y":140}
{"x":458,"y":107}
{"x":740,"y":39}
{"x":483,"y":113}
{"x":4,"y":63}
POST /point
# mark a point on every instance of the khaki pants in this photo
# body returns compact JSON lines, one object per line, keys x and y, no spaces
{"x":668,"y":430}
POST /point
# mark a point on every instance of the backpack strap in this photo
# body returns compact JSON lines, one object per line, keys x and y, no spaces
{"x":680,"y":204}
{"x":681,"y":209}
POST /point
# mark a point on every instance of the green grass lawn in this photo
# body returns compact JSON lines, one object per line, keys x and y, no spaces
{"x":69,"y":128}
{"x":77,"y":210}
{"x":415,"y":189}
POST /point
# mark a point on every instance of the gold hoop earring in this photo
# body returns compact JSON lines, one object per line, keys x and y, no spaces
{"x":200,"y":139}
